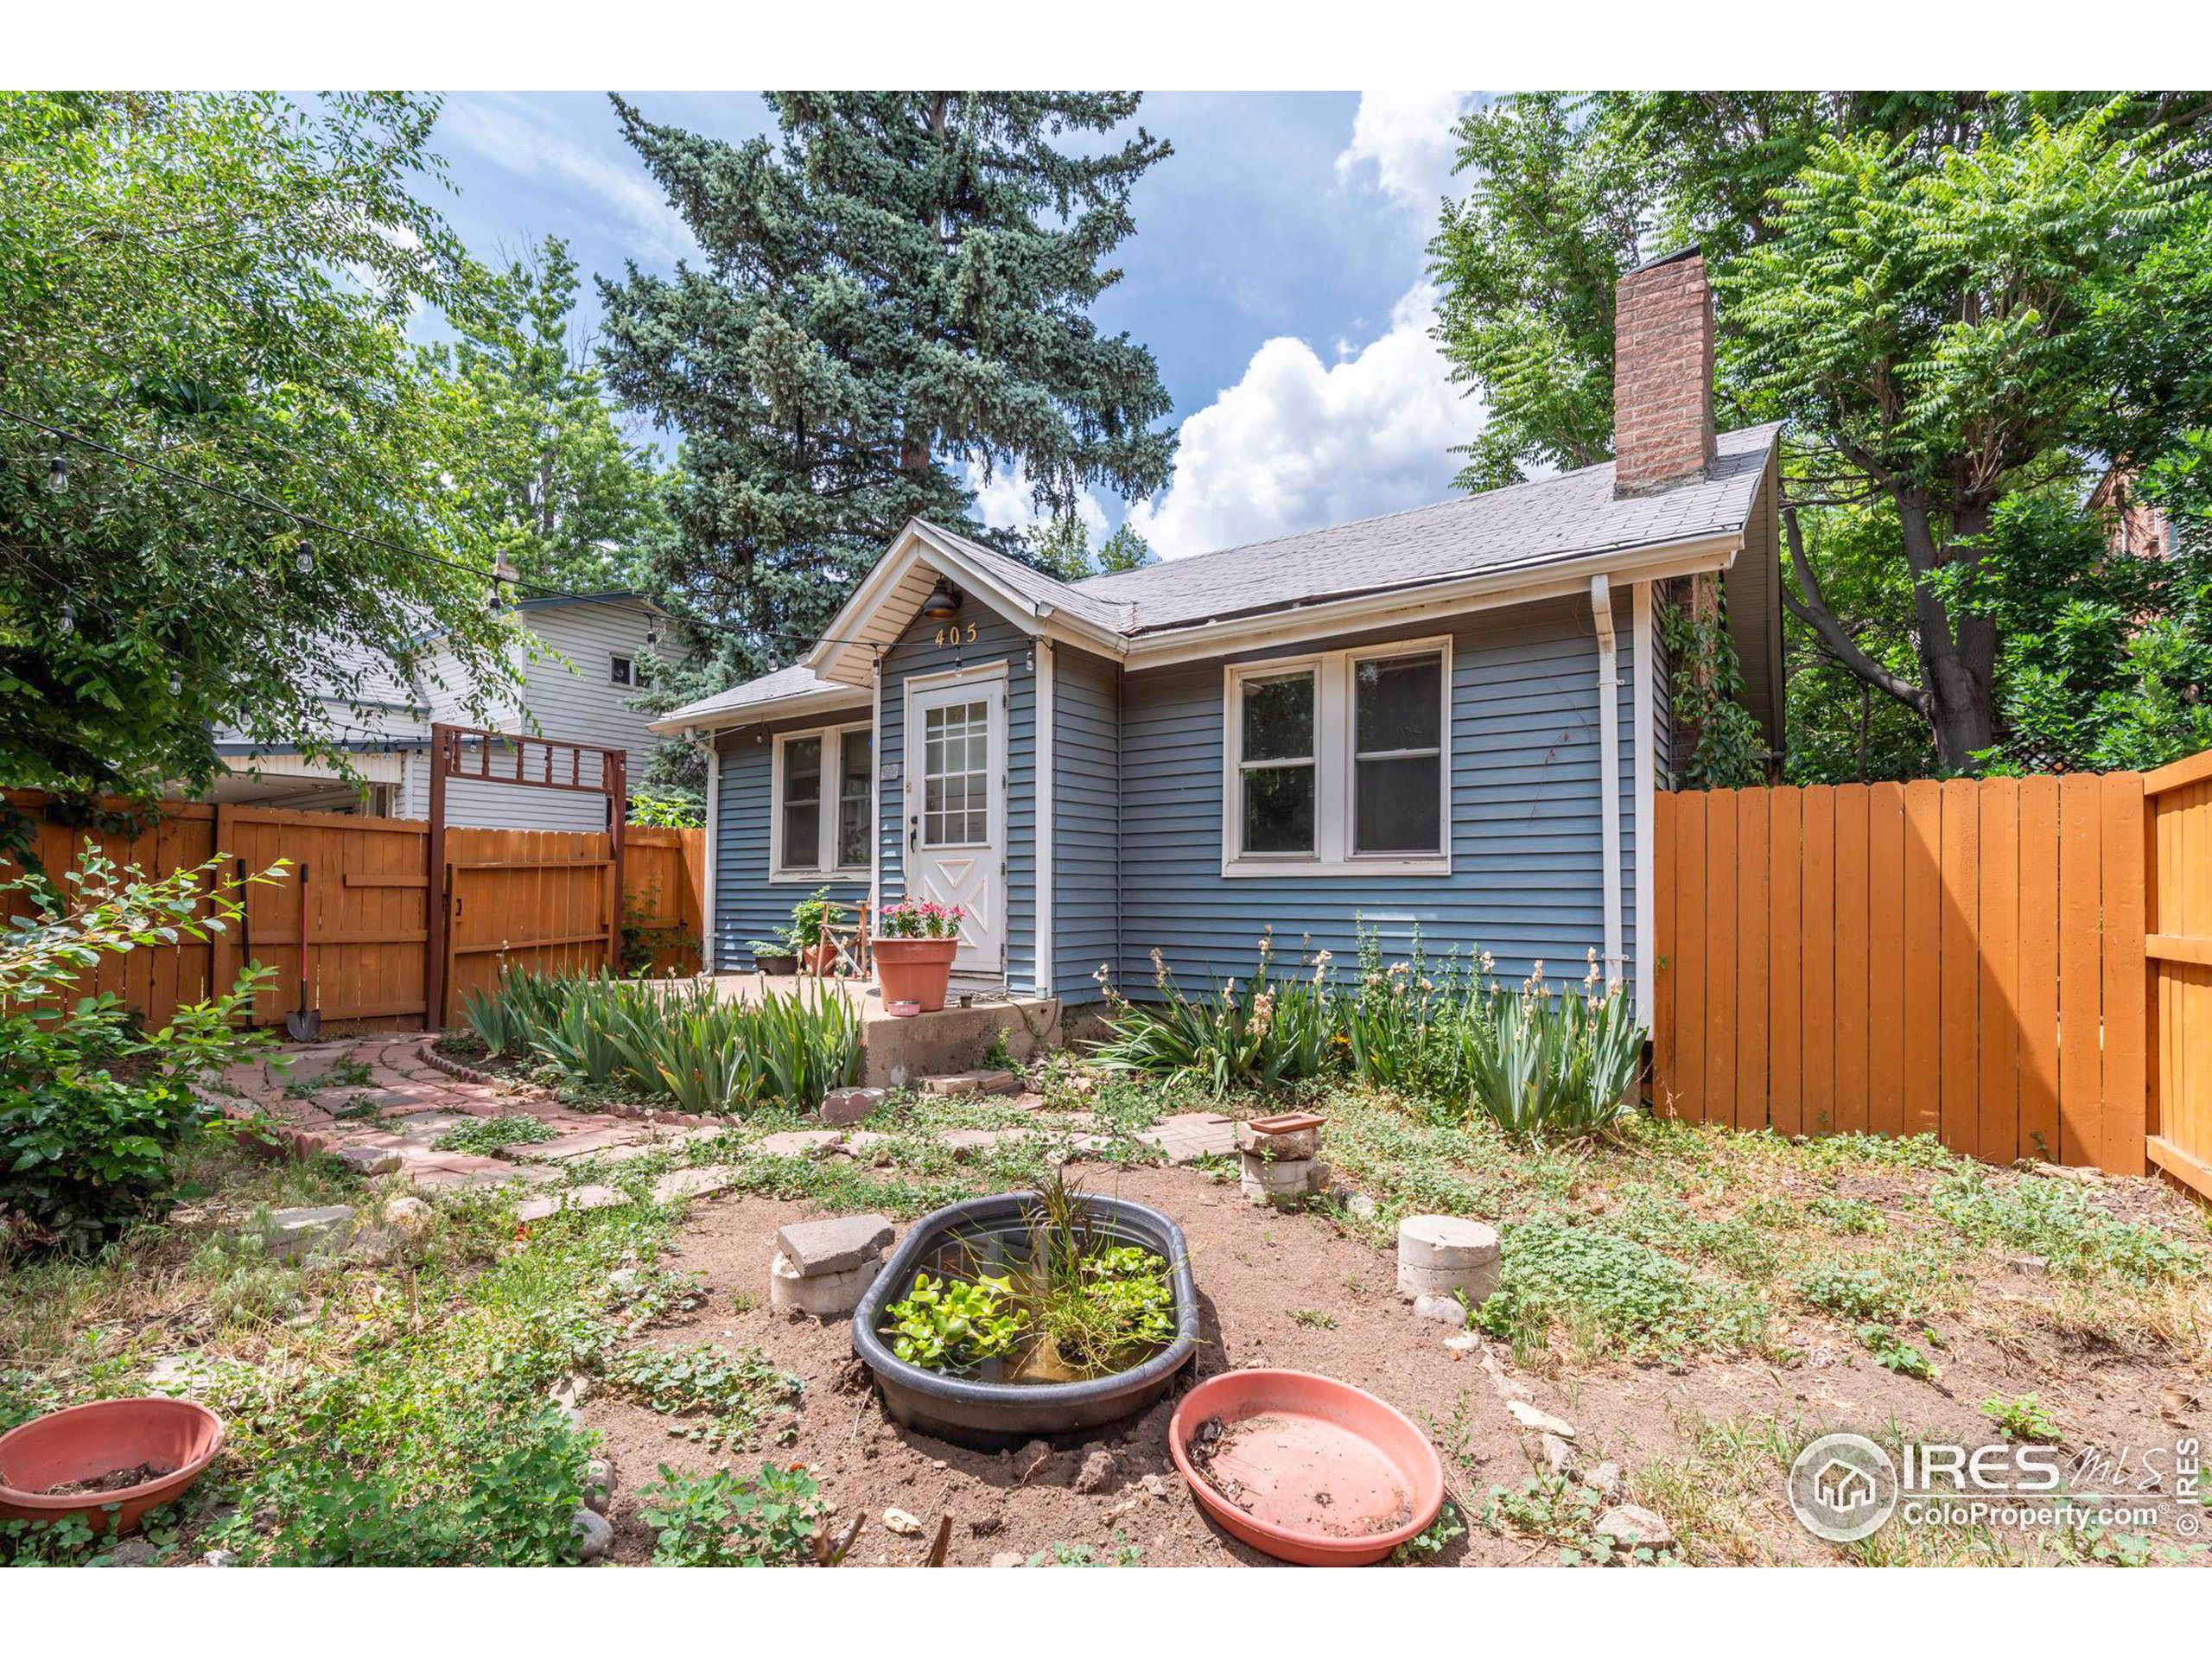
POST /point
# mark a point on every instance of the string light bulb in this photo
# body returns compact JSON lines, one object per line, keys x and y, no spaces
{"x":303,"y":561}
{"x":57,"y":475}
{"x":177,"y":683}
{"x":68,"y":616}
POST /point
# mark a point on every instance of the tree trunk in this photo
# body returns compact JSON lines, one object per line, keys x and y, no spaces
{"x":1958,"y":661}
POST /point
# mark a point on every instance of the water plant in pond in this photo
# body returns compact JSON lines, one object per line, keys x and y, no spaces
{"x":951,"y":1326}
{"x":1054,"y":1299}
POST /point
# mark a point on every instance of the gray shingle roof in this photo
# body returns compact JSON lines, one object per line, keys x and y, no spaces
{"x":1523,"y":526}
{"x":783,"y":683}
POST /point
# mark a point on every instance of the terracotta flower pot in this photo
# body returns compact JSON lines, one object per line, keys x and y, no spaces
{"x":1380,"y":1480}
{"x":915,"y":970}
{"x":85,"y":1442}
{"x":819,"y":959}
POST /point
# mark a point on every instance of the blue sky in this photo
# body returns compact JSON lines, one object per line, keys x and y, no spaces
{"x":1276,"y":273}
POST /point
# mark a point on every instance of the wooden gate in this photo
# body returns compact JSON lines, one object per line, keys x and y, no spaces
{"x":2178,"y":801}
{"x":1964,"y":959}
{"x":540,"y":899}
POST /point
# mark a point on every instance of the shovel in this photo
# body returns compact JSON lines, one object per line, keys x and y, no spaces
{"x":303,"y":1024}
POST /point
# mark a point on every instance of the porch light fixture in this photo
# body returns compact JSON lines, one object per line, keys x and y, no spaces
{"x":944,"y":602}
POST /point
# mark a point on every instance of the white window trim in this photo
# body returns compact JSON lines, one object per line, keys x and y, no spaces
{"x":1335,"y":738}
{"x":833,"y":738}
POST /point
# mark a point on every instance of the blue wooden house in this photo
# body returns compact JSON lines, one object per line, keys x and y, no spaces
{"x":1450,"y":719}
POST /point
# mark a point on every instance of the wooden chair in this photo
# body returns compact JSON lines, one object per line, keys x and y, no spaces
{"x":847,"y":941}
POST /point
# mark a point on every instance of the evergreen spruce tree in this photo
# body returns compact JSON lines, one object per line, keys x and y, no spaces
{"x":894,"y":289}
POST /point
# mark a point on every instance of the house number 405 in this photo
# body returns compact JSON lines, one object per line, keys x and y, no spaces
{"x":956,"y":635}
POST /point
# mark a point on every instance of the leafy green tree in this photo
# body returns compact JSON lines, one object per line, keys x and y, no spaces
{"x":1953,"y":333}
{"x":895,"y":288}
{"x":1061,"y":547}
{"x":567,"y":498}
{"x":1557,"y":199}
{"x":1950,"y":295}
{"x":219,"y":284}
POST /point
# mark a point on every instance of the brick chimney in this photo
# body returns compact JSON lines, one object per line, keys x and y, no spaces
{"x":1662,"y":374}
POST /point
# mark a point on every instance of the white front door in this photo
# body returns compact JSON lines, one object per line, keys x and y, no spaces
{"x":956,"y":812}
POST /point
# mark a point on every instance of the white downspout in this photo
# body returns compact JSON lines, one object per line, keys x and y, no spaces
{"x":710,"y":942}
{"x":1647,"y":805}
{"x":1042,"y":978}
{"x":875,"y":795}
{"x":1609,"y":765}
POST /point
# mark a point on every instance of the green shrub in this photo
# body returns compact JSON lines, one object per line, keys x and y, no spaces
{"x":1558,"y":1066}
{"x":487,"y":1486}
{"x":2023,"y":1418}
{"x":724,"y":1400}
{"x":94,"y":1111}
{"x":1266,"y":1032}
{"x":717,"y":1520}
{"x":2051,"y":1217}
{"x":1858,"y":1294}
{"x":684,"y":1044}
{"x":1611,"y":1294}
{"x":1410,"y":1028}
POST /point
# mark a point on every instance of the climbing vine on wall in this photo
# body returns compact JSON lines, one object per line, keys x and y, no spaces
{"x":1726,"y":749}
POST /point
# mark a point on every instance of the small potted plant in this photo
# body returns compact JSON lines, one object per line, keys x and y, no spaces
{"x":814,"y":955}
{"x":915,"y":942}
{"x":773,"y":955}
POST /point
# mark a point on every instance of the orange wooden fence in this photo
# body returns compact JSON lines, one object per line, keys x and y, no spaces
{"x":534,"y":897}
{"x":1964,"y":959}
{"x":2179,"y":919}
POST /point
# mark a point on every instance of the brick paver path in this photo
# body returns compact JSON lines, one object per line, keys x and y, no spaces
{"x":379,"y":1091}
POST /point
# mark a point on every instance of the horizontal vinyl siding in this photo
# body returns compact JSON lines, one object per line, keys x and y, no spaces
{"x":572,"y":700}
{"x":748,"y":906}
{"x":916,"y":653}
{"x":1526,"y":879}
{"x":1086,"y":821}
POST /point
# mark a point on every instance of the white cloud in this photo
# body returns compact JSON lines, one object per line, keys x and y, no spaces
{"x":1004,"y":502}
{"x":1297,"y":444}
{"x":1406,"y":139}
{"x":505,"y":129}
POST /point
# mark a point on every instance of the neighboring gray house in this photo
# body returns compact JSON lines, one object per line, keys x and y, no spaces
{"x":1451,"y":719}
{"x":580,"y":660}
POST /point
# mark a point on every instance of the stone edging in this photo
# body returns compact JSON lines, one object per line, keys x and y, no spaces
{"x":428,"y":1048}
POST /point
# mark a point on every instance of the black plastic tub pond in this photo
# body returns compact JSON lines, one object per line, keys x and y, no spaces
{"x":978,"y":1411}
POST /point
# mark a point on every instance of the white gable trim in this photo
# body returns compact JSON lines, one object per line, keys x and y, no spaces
{"x":869,"y":617}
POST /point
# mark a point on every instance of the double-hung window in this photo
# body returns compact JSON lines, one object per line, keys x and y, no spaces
{"x":821,"y":814}
{"x":1339,"y":764}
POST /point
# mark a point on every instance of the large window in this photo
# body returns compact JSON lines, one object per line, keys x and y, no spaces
{"x":824,"y":803}
{"x":1339,"y":764}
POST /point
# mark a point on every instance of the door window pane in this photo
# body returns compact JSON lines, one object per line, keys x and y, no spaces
{"x":855,"y":799}
{"x":956,"y":781}
{"x":1400,"y":702}
{"x":802,"y":848}
{"x":1279,"y":718}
